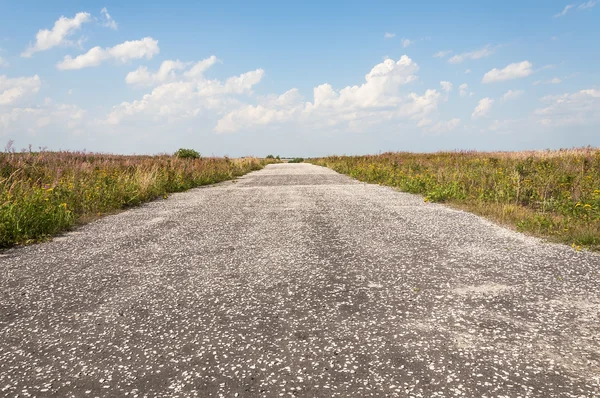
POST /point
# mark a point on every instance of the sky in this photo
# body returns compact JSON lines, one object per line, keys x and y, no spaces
{"x":312,"y":78}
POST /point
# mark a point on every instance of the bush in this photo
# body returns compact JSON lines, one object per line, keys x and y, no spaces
{"x":183,"y":153}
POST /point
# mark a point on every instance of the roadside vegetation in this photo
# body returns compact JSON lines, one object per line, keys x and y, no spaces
{"x":45,"y":193}
{"x":552,"y":194}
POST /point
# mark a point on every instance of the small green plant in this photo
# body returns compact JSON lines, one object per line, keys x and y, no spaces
{"x":184,"y":153}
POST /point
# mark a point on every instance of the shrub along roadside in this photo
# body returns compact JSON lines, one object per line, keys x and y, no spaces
{"x":42,"y":194}
{"x":552,"y":194}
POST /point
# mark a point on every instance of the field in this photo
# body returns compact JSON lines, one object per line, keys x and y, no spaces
{"x":42,"y":194}
{"x":553,"y":194}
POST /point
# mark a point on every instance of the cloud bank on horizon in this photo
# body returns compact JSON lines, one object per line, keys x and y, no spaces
{"x":111,"y":82}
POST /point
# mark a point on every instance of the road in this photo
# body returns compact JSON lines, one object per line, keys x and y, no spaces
{"x":297,"y":281}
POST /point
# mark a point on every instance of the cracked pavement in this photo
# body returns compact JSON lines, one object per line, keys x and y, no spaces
{"x":298,"y":281}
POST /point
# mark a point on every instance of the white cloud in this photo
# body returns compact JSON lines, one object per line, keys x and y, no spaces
{"x":583,"y":6}
{"x":582,"y":107}
{"x":108,"y":21}
{"x":376,"y":100}
{"x":512,"y":71}
{"x":197,"y":71}
{"x":446,"y":86}
{"x":124,"y":52}
{"x":406,"y":43}
{"x":34,"y":119}
{"x":14,"y":89}
{"x":464,"y":88}
{"x":444,"y":126}
{"x":505,"y":126}
{"x":512,"y":94}
{"x":442,"y":54}
{"x":477,"y":54}
{"x":388,"y":35}
{"x":63,"y":28}
{"x":554,"y":80}
{"x":483,"y":108}
{"x":185,"y":95}
{"x":587,"y":4}
{"x":564,"y":11}
{"x":167,"y":72}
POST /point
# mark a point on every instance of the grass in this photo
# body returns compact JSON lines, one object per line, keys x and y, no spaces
{"x":552,"y":194}
{"x":45,"y":193}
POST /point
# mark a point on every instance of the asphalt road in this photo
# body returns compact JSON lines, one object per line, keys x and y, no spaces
{"x":297,"y":281}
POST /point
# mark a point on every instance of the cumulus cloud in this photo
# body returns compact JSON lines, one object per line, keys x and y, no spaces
{"x":446,"y":86}
{"x":14,"y":89}
{"x":197,"y":71}
{"x":388,"y":35}
{"x":477,"y":54}
{"x":107,"y":20}
{"x":33,"y":119}
{"x":378,"y":98}
{"x":442,"y":54}
{"x":582,"y":107}
{"x":124,"y":52}
{"x":167,"y":72}
{"x":512,"y":94}
{"x":483,"y":108}
{"x":512,"y":71}
{"x":183,"y":95}
{"x":63,"y":28}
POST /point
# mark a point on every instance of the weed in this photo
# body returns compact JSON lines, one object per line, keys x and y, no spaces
{"x":555,"y":194}
{"x":44,"y":193}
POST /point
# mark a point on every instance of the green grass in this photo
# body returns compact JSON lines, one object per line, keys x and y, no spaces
{"x":42,"y":194}
{"x":553,"y":194}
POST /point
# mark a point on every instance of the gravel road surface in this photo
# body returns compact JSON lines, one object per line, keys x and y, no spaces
{"x":296,"y":281}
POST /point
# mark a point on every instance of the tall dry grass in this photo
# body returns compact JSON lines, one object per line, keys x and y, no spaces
{"x":555,"y":194}
{"x":44,"y":193}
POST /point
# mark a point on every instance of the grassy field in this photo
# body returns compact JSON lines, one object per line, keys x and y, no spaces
{"x":42,"y":194}
{"x":553,"y":194}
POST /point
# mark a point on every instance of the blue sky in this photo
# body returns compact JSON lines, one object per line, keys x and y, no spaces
{"x":314,"y":78}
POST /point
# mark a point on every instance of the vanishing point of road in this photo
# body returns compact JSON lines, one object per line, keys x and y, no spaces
{"x":297,"y":281}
